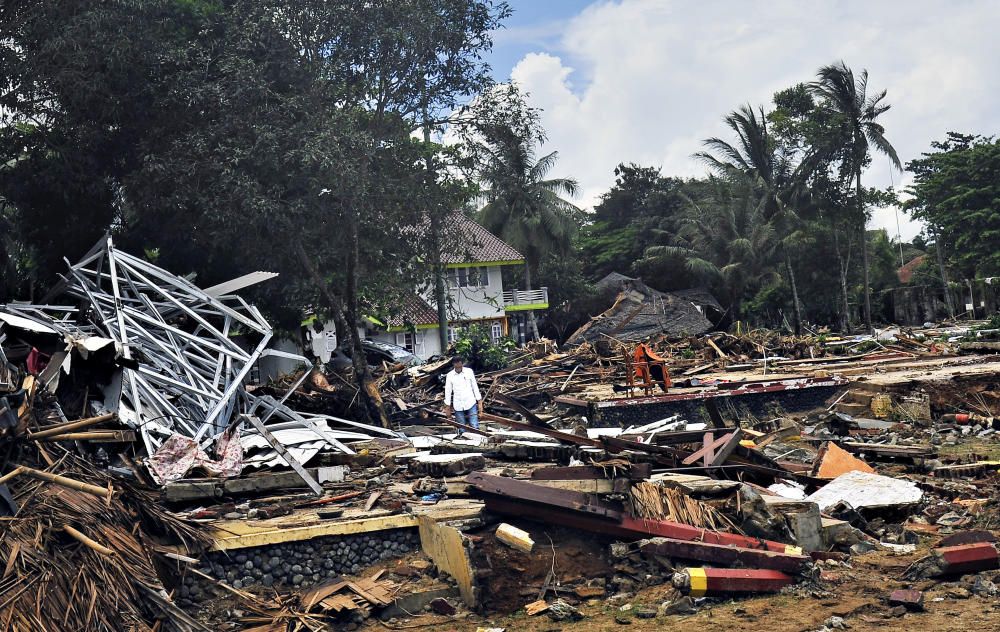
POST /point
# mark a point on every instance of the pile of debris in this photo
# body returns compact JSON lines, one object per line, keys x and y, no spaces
{"x":80,"y":549}
{"x":129,"y":343}
{"x":147,"y":484}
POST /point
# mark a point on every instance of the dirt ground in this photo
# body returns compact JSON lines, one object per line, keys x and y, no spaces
{"x":856,"y":592}
{"x":515,"y":578}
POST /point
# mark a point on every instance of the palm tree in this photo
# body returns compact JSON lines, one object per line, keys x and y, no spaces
{"x":847,"y":97}
{"x":755,"y":158}
{"x":523,"y":207}
{"x":727,"y":240}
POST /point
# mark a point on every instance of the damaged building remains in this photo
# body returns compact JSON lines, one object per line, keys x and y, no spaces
{"x":150,"y":483}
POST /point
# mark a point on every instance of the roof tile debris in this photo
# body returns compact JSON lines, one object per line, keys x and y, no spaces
{"x":639,"y":312}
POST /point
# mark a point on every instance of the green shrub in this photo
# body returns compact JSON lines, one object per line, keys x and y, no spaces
{"x":480,"y":352}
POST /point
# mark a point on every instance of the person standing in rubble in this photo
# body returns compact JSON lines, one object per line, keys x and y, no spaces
{"x":461,"y":394}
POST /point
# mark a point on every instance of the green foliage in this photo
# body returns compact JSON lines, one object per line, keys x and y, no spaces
{"x":609,"y":247}
{"x":642,"y":209}
{"x":726,"y":241}
{"x":233,"y":134}
{"x":990,"y":330}
{"x":480,"y":351}
{"x":572,"y":298}
{"x":777,"y":232}
{"x":867,"y":346}
{"x":855,"y":111}
{"x":223,"y":133}
{"x":956,"y":190}
{"x":524,"y":207}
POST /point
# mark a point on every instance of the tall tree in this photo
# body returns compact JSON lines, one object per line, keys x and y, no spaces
{"x":213,"y":130}
{"x":640,"y":210}
{"x":727,"y":240}
{"x":523,"y":206}
{"x":755,"y":157}
{"x":859,"y":111}
{"x":956,"y":192}
{"x":813,"y":138}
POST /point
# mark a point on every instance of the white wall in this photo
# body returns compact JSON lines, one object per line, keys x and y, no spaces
{"x":427,"y":343}
{"x":272,"y":366}
{"x":474,"y":303}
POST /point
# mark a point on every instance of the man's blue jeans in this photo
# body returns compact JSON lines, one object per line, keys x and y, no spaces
{"x":468,"y":417}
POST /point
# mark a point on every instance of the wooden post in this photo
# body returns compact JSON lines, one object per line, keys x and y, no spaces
{"x":73,"y":425}
{"x":88,"y":542}
{"x":67,"y":482}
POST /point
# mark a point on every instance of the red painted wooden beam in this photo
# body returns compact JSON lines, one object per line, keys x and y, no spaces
{"x":699,"y":582}
{"x":722,"y":555}
{"x":518,"y":497}
{"x":642,"y":527}
{"x":968,"y":558}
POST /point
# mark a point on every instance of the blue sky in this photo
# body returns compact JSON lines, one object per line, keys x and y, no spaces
{"x":646,"y":80}
{"x":535,"y":26}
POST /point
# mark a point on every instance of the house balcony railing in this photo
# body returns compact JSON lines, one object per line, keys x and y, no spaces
{"x":522,"y":300}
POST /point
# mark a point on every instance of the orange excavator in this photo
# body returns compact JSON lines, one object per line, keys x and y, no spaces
{"x":647,"y":369}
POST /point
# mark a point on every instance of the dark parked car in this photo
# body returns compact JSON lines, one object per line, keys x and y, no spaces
{"x":376,"y":353}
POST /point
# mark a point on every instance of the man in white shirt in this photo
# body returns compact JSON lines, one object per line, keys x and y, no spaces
{"x":461,"y":394}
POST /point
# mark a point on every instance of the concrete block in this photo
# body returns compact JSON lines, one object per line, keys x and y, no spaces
{"x":515,"y":538}
{"x":803,"y":519}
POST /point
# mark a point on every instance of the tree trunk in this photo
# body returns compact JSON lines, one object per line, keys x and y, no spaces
{"x":795,"y":293}
{"x":341,"y":327}
{"x":441,"y":298}
{"x":347,"y":327}
{"x":362,"y":374}
{"x":845,"y":317}
{"x":332,"y":300}
{"x":440,"y":293}
{"x":532,"y":324}
{"x":864,"y":254}
{"x":944,"y":274}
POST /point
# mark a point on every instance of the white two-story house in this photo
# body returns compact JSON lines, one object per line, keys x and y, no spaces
{"x":475,"y":296}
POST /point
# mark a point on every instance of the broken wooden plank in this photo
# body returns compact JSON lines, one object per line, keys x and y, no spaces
{"x":536,"y":607}
{"x":706,"y":452}
{"x":832,"y":461}
{"x":633,"y":471}
{"x":891,"y":451}
{"x":722,"y":354}
{"x":722,"y":452}
{"x":587,"y":485}
{"x":713,"y":413}
{"x":699,"y":369}
{"x":372,"y":500}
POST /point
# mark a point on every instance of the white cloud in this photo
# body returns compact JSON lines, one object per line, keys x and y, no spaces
{"x":645,"y":80}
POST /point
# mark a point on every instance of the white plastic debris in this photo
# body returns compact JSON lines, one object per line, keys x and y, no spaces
{"x":862,"y":489}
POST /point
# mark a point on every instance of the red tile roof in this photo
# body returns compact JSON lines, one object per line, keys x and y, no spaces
{"x":478,"y":245}
{"x":415,"y":311}
{"x":906,"y":272}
